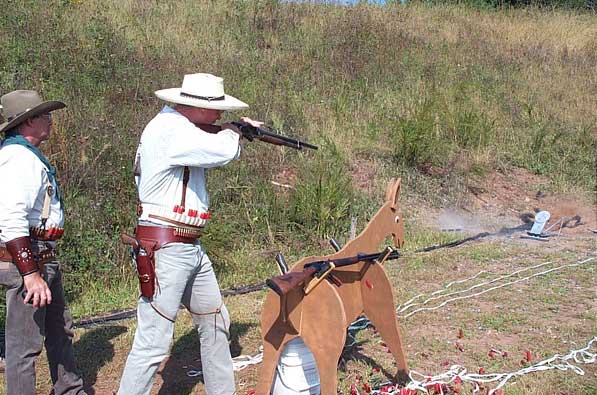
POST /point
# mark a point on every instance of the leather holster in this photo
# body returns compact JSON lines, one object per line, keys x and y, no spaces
{"x":150,"y":239}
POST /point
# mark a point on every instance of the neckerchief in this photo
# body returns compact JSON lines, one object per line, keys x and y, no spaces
{"x":15,"y":138}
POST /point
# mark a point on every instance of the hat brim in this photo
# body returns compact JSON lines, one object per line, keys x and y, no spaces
{"x":173,"y":95}
{"x":42,"y":108}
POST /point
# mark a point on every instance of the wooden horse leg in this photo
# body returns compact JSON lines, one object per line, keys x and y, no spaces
{"x":326,"y":353}
{"x":379,"y":307}
{"x":275,"y":334}
{"x":324,"y":331}
{"x":268,"y":369}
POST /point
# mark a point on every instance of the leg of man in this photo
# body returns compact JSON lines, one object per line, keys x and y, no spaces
{"x":203,"y":299}
{"x":24,"y":337}
{"x":175,"y":263}
{"x":59,"y":339}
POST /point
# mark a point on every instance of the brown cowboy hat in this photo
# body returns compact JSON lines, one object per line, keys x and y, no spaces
{"x":18,"y":106}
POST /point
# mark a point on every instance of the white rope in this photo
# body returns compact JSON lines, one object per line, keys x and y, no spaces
{"x":458,"y":374}
{"x":492,"y":288}
{"x":363,"y":322}
{"x":238,"y":363}
{"x":360,"y":324}
{"x":411,"y":303}
{"x":243,"y":361}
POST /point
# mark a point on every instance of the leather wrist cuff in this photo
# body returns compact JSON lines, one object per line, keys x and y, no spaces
{"x":22,"y":255}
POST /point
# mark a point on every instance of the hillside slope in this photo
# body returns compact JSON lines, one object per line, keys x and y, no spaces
{"x":445,"y":97}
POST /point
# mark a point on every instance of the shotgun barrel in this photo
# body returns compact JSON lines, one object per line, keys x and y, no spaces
{"x":251,"y":132}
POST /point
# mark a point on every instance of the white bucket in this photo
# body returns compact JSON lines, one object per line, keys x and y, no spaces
{"x":541,"y":219}
{"x":296,"y":373}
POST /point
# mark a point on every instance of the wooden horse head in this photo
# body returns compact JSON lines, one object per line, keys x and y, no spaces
{"x":387,"y":222}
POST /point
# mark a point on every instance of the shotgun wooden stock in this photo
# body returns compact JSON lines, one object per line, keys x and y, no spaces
{"x":289,"y":281}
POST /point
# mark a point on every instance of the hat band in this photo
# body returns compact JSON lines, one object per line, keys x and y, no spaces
{"x":208,"y":98}
{"x":17,"y":115}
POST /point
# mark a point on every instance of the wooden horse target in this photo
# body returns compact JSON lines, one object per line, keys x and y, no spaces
{"x":322,"y":315}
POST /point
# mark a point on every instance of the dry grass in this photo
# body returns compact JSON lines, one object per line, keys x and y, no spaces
{"x":436,"y":94}
{"x":546,"y":315}
{"x":462,"y":91}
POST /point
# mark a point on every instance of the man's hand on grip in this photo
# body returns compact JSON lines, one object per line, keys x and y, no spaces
{"x":38,"y":292}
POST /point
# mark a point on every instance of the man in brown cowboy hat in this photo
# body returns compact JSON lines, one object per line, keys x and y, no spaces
{"x":172,"y":158}
{"x":31,"y":220}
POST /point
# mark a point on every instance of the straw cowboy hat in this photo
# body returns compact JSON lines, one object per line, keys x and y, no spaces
{"x":20,"y":105}
{"x":202,"y":90}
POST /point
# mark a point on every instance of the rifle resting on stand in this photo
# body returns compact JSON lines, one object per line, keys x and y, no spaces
{"x":317,"y":271}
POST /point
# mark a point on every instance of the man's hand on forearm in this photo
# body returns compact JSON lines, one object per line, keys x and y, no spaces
{"x":235,"y":129}
{"x":252,"y":122}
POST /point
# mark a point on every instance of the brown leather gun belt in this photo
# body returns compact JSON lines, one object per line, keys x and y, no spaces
{"x":165,"y":235}
{"x":46,"y":256}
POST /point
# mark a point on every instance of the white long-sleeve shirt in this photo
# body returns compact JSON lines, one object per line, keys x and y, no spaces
{"x":23,"y":185}
{"x":169,"y":143}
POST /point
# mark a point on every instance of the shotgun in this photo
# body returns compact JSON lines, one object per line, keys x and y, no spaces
{"x":320,"y":269}
{"x":251,"y":133}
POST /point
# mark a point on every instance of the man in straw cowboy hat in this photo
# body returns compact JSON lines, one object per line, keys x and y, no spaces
{"x":31,"y":220}
{"x":171,"y":161}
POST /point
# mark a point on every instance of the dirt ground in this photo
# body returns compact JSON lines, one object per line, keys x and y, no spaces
{"x":530,"y":320}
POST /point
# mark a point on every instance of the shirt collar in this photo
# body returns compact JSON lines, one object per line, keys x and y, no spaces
{"x":168,"y":110}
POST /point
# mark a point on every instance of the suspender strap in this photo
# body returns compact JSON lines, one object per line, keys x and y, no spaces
{"x":45,"y":211}
{"x":137,"y":164}
{"x":185,"y":181}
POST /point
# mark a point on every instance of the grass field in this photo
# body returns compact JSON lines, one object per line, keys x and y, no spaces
{"x":435,"y":94}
